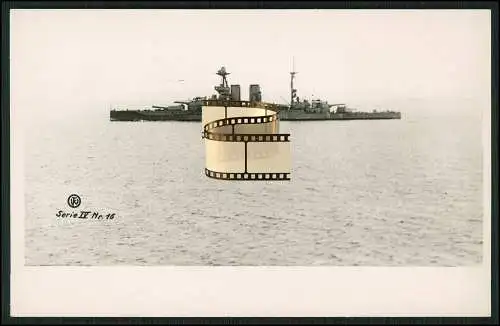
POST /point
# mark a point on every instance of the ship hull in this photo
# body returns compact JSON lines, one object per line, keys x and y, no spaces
{"x":302,"y":116}
{"x":138,"y":115}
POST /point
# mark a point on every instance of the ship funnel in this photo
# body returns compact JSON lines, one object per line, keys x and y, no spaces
{"x":235,"y":93}
{"x":255,"y":93}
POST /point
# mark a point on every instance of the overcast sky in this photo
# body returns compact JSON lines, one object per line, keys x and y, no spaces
{"x":364,"y":58}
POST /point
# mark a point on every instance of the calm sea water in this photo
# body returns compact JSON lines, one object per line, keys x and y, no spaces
{"x":371,"y":193}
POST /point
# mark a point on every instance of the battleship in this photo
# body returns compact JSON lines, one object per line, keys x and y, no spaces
{"x":296,"y":110}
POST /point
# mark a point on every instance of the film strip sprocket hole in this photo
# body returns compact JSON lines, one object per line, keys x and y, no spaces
{"x":242,"y":142}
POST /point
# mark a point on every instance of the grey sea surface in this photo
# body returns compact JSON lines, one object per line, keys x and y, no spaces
{"x":370,"y":193}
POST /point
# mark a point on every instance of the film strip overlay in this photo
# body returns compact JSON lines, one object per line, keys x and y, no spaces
{"x":243,"y":143}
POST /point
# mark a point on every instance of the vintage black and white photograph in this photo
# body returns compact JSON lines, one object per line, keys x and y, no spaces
{"x":252,"y":138}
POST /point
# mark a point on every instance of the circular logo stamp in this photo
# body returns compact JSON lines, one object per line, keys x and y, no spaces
{"x":74,"y":201}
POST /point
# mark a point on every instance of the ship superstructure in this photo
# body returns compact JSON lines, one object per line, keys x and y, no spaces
{"x":318,"y":109}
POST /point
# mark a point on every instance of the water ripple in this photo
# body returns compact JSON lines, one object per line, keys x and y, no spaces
{"x":380,"y":193}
